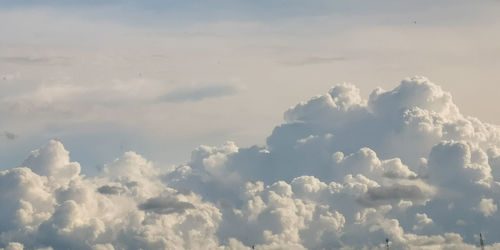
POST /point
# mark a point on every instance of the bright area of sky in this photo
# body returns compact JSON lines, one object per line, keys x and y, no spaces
{"x":162,"y":77}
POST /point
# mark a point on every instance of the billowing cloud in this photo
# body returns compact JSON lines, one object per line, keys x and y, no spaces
{"x":47,"y":203}
{"x":341,"y":172}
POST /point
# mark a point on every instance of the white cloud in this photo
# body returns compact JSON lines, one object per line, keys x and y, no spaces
{"x":487,"y":207}
{"x":61,"y":210}
{"x":52,"y":161}
{"x":421,"y":221}
{"x":341,"y":172}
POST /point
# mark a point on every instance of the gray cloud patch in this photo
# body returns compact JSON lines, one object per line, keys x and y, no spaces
{"x":379,"y":195}
{"x":198,"y":94}
{"x":106,"y":189}
{"x":165,"y":205}
{"x":9,"y":135}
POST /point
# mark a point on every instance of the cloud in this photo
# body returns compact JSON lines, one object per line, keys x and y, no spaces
{"x":69,"y":212}
{"x":111,"y":190}
{"x":407,"y":151}
{"x":487,"y":207}
{"x":196,"y":94}
{"x":165,"y":205}
{"x":341,"y":172}
{"x":396,"y":192}
{"x":9,"y":135}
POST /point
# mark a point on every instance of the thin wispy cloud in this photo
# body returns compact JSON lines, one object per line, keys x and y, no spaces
{"x":317,"y":60}
{"x":195,"y":94}
{"x":23,"y":60}
{"x":28,"y":60}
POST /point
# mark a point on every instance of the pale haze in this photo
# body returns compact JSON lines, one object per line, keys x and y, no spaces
{"x":230,"y":124}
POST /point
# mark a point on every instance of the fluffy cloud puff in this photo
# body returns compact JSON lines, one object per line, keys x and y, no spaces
{"x":341,"y":173}
{"x":45,"y":205}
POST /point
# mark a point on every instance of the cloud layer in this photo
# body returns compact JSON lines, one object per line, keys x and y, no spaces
{"x":340,"y":173}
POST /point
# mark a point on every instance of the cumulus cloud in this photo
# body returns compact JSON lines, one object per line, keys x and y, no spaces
{"x":422,"y":220}
{"x":341,"y":172}
{"x":487,"y":207}
{"x":47,"y":203}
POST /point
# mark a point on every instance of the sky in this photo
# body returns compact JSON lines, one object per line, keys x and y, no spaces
{"x":238,"y":111}
{"x":172,"y":75}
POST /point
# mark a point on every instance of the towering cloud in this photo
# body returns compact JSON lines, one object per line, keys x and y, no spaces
{"x":341,"y":173}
